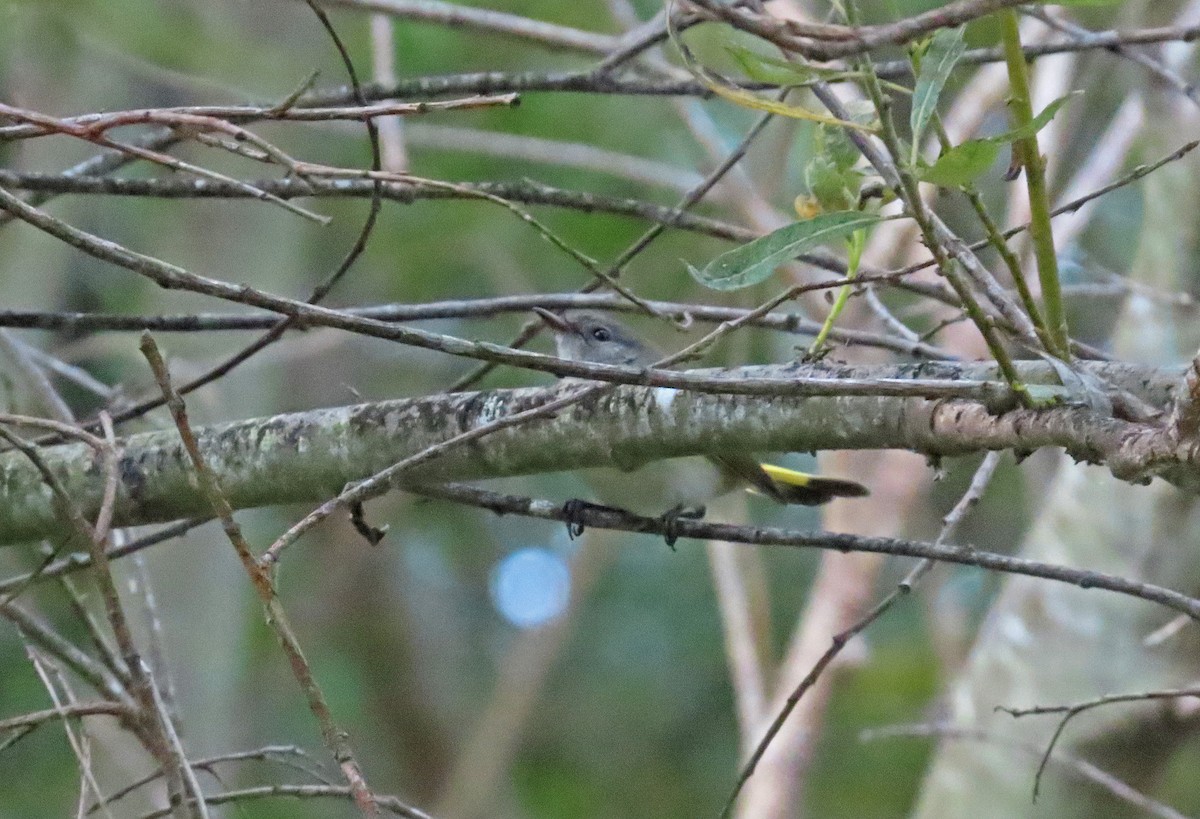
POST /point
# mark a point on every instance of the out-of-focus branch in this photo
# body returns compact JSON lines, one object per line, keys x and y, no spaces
{"x":489,"y":21}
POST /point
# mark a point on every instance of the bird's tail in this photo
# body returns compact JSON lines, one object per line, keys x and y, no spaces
{"x":786,"y":485}
{"x":810,"y":490}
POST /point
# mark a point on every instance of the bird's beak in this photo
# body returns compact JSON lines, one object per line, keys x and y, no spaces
{"x":554,"y":321}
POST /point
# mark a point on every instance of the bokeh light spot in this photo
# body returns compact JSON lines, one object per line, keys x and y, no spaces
{"x":531,"y":586}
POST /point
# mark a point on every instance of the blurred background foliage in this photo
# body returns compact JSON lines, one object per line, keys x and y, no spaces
{"x":636,"y":716}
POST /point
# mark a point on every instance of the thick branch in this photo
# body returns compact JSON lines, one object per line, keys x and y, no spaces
{"x":311,"y":456}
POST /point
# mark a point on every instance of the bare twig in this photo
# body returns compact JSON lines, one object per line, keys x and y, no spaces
{"x":192,"y":118}
{"x":488,"y":21}
{"x":607,"y":518}
{"x":392,"y":804}
{"x":1080,"y":767}
{"x":80,"y":561}
{"x":80,"y":744}
{"x":790,"y":322}
{"x":278,"y":753}
{"x":336,"y":739}
{"x":66,"y":711}
{"x":1069,"y":712}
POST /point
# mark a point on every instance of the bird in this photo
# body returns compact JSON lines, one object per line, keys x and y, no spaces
{"x":596,"y":338}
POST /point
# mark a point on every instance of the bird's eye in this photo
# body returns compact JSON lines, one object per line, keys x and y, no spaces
{"x":601,"y":333}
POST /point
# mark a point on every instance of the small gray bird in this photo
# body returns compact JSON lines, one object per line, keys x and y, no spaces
{"x":583,"y":335}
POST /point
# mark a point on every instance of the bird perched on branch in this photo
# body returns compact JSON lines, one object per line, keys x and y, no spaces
{"x":584,"y":335}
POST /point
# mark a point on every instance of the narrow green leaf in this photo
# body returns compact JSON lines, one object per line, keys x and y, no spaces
{"x":1081,"y":2}
{"x":756,"y":261}
{"x":962,"y":164}
{"x":945,"y":49}
{"x":1034,"y":125}
{"x":775,"y":71}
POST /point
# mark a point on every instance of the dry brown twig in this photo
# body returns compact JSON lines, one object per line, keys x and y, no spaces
{"x":336,"y":739}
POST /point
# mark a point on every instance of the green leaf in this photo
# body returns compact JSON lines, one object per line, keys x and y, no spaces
{"x":775,"y":71}
{"x":1081,"y":2}
{"x":835,"y":188}
{"x":1036,"y":124}
{"x":835,"y":144}
{"x":756,"y":261}
{"x":946,"y":47}
{"x":962,"y":164}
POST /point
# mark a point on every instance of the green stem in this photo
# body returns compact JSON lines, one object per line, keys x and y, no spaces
{"x":1027,"y":154}
{"x":996,"y":240}
{"x":915,"y":206}
{"x":856,"y":243}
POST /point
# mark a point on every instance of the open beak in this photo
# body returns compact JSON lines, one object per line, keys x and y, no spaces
{"x":554,"y":321}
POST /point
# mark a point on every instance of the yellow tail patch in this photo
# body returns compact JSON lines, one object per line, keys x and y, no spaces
{"x":789,"y":477}
{"x":791,"y":486}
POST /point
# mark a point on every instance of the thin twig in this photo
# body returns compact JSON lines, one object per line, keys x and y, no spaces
{"x":489,"y":21}
{"x":790,"y":322}
{"x":218,"y":117}
{"x":208,"y":763}
{"x":392,"y":804}
{"x":1069,"y":712}
{"x":79,"y":745}
{"x":336,"y":739}
{"x":80,"y":561}
{"x":86,"y":667}
{"x":1081,"y":767}
{"x":171,"y":276}
{"x":617,"y":519}
{"x":68,"y":710}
